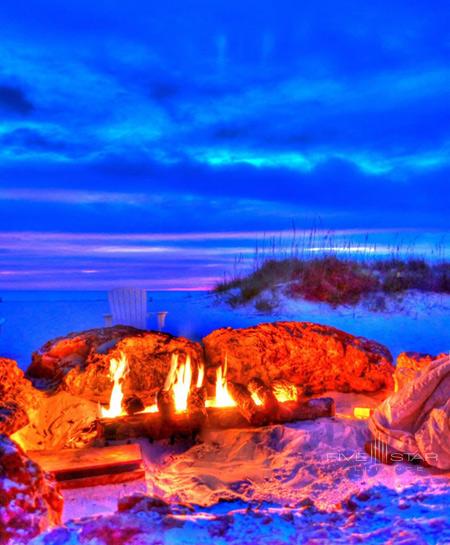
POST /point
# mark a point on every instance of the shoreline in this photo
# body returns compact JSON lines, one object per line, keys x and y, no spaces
{"x":422,"y":326}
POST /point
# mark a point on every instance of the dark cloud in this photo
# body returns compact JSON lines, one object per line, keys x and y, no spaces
{"x":13,"y":99}
{"x":179,"y":98}
{"x":229,"y":132}
{"x":29,"y":139}
{"x":335,"y":190}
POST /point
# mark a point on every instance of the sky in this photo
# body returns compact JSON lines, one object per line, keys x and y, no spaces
{"x":152,"y":143}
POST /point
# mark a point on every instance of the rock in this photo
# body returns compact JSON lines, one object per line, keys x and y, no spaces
{"x":12,"y":417}
{"x":409,"y":364}
{"x":314,"y":357}
{"x":13,"y":384}
{"x":30,"y":501}
{"x":18,"y":398}
{"x":415,"y":360}
{"x":61,"y":421}
{"x":79,"y":363}
{"x":57,"y":357}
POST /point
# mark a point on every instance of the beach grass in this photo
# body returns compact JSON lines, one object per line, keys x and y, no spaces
{"x":325,"y":269}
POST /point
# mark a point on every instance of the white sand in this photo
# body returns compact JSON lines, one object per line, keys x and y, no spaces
{"x":279,"y":467}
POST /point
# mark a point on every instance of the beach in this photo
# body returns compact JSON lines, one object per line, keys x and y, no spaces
{"x":421,"y":322}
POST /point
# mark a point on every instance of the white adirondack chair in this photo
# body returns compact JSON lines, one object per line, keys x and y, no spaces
{"x":128,"y":306}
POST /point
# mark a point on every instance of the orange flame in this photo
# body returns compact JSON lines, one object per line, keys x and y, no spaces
{"x":117,"y":370}
{"x":179,"y":381}
{"x":284,"y":391}
{"x":256,"y":399}
{"x":200,"y":375}
{"x":223,"y":397}
{"x":362,"y":413}
{"x":150,"y":409}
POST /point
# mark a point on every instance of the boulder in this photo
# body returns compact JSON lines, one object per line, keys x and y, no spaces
{"x":18,"y":398}
{"x":30,"y":501}
{"x":409,"y":365}
{"x":314,"y":357}
{"x":13,"y":384}
{"x":12,"y":417}
{"x":79,"y":363}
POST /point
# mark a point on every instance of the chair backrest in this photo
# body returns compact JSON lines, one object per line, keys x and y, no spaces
{"x":128,"y":307}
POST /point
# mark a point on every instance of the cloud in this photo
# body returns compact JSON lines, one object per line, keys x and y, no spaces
{"x":13,"y":99}
{"x":227,"y":117}
{"x":72,"y":197}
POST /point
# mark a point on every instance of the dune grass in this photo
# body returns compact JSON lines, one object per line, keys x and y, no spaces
{"x":336,"y":281}
{"x":334,"y":278}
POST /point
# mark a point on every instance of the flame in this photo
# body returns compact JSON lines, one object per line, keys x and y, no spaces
{"x":170,"y":379}
{"x":182,"y":385}
{"x":223,"y":397}
{"x":117,"y":370}
{"x":256,"y":399}
{"x":284,"y":391}
{"x":361,"y":413}
{"x":200,"y":376}
{"x":179,"y":381}
{"x":150,"y":409}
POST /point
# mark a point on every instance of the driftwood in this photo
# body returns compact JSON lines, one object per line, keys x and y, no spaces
{"x":221,"y":418}
{"x":151,"y":425}
{"x":291,"y":411}
{"x":196,"y":401}
{"x":246,"y":406}
{"x":269,"y":405}
{"x":186,"y":424}
{"x":75,"y":468}
{"x":166,"y":403}
{"x":133,"y":404}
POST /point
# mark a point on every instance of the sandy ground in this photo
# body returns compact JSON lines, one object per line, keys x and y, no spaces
{"x":281,"y":469}
{"x":308,"y":482}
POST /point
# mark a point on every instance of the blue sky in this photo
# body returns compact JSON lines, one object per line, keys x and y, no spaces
{"x":227,"y":119}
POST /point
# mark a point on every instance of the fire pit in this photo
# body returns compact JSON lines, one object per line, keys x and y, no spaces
{"x":183,"y":407}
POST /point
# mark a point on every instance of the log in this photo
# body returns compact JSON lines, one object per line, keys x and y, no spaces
{"x":187,"y":424}
{"x":150,"y":425}
{"x":291,"y":411}
{"x":166,"y":403}
{"x":75,"y":468}
{"x":221,"y":418}
{"x":286,"y":390}
{"x":269,"y":405}
{"x":196,"y":402}
{"x":133,"y":404}
{"x":247,"y":407}
{"x":129,"y":427}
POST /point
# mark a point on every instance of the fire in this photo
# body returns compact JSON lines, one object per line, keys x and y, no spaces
{"x":256,"y":399}
{"x":117,"y":370}
{"x":179,"y":381}
{"x":150,"y":409}
{"x":362,"y":413}
{"x":223,"y":397}
{"x":285,"y":391}
{"x":200,"y":376}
